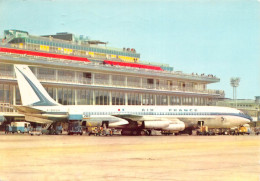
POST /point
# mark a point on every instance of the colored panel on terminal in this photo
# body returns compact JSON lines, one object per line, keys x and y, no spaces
{"x":125,"y":64}
{"x":42,"y":54}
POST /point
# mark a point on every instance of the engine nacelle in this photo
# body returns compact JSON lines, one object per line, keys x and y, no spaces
{"x":175,"y":126}
{"x":156,"y":124}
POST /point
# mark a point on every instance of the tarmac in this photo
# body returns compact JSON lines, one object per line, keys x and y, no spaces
{"x":182,"y":158}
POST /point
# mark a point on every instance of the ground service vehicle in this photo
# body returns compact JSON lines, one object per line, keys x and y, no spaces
{"x":244,"y":130}
{"x":18,"y":127}
{"x":94,"y":131}
{"x":257,"y":131}
{"x":204,"y":130}
{"x":74,"y":128}
{"x":36,"y":131}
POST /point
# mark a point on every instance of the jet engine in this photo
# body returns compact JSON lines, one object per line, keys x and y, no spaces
{"x":167,"y":125}
{"x":175,"y":126}
{"x":156,"y":124}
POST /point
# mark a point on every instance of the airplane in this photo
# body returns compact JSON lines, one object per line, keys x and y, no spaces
{"x":39,"y":107}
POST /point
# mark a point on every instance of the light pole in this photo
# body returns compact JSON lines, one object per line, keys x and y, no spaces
{"x":234,"y":82}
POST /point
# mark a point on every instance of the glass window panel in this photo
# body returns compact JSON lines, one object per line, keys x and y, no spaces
{"x":101,"y":79}
{"x":66,"y":76}
{"x":6,"y":93}
{"x":118,"y":80}
{"x":1,"y":93}
{"x":60,"y":95}
{"x":65,"y":96}
{"x":46,"y":74}
{"x":17,"y":95}
{"x":69,"y":97}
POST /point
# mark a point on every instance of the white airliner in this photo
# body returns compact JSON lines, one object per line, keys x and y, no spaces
{"x":39,"y":107}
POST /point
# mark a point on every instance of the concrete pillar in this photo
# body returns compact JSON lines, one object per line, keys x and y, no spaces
{"x":93,"y":78}
{"x":56,"y":75}
{"x":126,"y":99}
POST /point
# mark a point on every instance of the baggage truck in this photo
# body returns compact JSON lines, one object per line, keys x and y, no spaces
{"x":20,"y":127}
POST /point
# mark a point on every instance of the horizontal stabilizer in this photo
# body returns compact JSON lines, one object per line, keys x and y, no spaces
{"x":28,"y":110}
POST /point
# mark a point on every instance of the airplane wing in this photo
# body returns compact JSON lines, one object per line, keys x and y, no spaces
{"x":30,"y":114}
{"x":4,"y":116}
{"x":129,"y":117}
{"x":35,"y":119}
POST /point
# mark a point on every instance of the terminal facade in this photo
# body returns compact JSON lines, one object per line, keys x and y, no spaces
{"x":78,"y":71}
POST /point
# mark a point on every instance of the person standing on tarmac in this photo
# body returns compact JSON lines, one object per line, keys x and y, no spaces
{"x":100,"y":130}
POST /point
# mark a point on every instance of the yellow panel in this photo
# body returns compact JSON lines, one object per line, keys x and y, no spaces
{"x":100,"y":54}
{"x":126,"y":59}
{"x":91,"y":54}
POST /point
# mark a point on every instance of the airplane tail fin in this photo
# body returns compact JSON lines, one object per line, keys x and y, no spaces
{"x":31,"y":90}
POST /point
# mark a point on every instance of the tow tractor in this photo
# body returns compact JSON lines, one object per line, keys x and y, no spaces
{"x":204,"y":130}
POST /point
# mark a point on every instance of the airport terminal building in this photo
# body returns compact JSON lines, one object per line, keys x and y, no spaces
{"x":78,"y":71}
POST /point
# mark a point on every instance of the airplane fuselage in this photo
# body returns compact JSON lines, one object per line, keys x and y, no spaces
{"x":213,"y":117}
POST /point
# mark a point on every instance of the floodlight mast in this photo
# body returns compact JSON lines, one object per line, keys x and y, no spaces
{"x":234,"y":82}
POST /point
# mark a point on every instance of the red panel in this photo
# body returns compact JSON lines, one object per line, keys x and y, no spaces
{"x":42,"y":54}
{"x":125,"y":64}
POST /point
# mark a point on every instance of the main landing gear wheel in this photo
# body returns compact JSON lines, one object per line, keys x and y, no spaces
{"x":142,"y":133}
{"x":134,"y":133}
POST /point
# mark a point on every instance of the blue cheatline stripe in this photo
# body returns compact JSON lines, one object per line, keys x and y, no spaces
{"x":172,"y":114}
{"x":43,"y":100}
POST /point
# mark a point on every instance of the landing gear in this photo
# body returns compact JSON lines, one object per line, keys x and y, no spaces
{"x":142,"y":133}
{"x":149,"y":132}
{"x":135,"y":132}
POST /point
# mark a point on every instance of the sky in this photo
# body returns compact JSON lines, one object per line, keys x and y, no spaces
{"x":219,"y":37}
